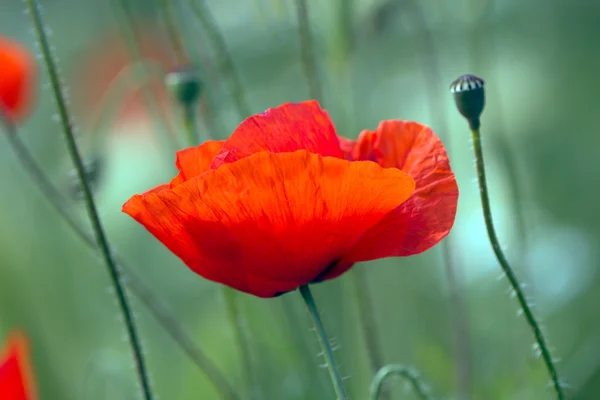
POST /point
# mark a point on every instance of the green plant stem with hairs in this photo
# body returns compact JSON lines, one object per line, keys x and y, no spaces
{"x":100,"y":236}
{"x":224,"y":58}
{"x":334,"y":372}
{"x":157,"y":308}
{"x":508,"y":271}
{"x":309,"y":61}
{"x":396,"y":369}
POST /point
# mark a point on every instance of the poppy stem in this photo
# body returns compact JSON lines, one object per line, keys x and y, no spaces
{"x":223,"y":56}
{"x":510,"y":274}
{"x":101,"y":238}
{"x":334,"y":372}
{"x":407,"y":373}
{"x":191,"y":129}
{"x":308,"y":57}
{"x":154,"y":304}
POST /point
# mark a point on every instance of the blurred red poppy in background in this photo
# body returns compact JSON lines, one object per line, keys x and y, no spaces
{"x":105,"y":62}
{"x":285,"y":202}
{"x":17,"y":79}
{"x":15,"y":375}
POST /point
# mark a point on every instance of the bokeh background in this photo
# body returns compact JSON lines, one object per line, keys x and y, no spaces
{"x":377,"y":59}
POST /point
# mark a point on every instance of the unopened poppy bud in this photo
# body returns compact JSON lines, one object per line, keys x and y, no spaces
{"x":185,"y":85}
{"x":469,"y":96}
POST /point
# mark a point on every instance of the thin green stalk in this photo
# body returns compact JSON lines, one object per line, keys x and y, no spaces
{"x":157,"y":115}
{"x":459,"y":313}
{"x":366,"y":311}
{"x":241,"y":337}
{"x":189,"y":120}
{"x":395,"y":369}
{"x":157,"y":308}
{"x":334,"y":372}
{"x":175,"y":36}
{"x":309,"y":61}
{"x":88,"y":197}
{"x":510,"y":275}
{"x":223,"y":56}
{"x":483,"y":49}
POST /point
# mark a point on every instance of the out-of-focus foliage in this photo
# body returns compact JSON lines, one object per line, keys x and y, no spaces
{"x":377,"y":60}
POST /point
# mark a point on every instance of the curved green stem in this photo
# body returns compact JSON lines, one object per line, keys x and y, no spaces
{"x":131,"y":78}
{"x":334,"y":372}
{"x":397,"y":369}
{"x":157,"y":308}
{"x":157,"y":114}
{"x":510,"y":274}
{"x":224,"y":58}
{"x":89,"y":199}
{"x":309,"y":61}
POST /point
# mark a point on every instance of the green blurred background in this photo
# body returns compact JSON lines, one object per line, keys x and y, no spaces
{"x":377,"y":60}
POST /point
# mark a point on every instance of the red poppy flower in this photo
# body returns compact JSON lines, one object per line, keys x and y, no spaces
{"x":17,"y":76}
{"x":284,"y":202}
{"x":15,"y":377}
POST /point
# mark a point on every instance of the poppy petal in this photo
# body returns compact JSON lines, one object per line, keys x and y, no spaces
{"x":17,"y":70}
{"x":15,"y":379}
{"x":194,"y":161}
{"x":425,"y":218}
{"x":287,"y":128}
{"x":271,"y":222}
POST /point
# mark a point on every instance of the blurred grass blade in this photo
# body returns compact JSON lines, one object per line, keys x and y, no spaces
{"x":224,"y":58}
{"x":157,"y":308}
{"x":309,"y":61}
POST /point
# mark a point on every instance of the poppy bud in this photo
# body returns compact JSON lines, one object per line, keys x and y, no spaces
{"x":184,"y":84}
{"x":469,"y":96}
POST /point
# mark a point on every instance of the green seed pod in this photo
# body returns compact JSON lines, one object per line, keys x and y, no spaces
{"x":469,"y":95}
{"x":184,"y":85}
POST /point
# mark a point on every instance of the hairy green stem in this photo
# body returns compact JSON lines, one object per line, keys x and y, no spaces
{"x":334,"y":372}
{"x":157,"y":308}
{"x":508,"y":271}
{"x":309,"y":61}
{"x":396,"y":369}
{"x":223,"y":56}
{"x":100,"y":236}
